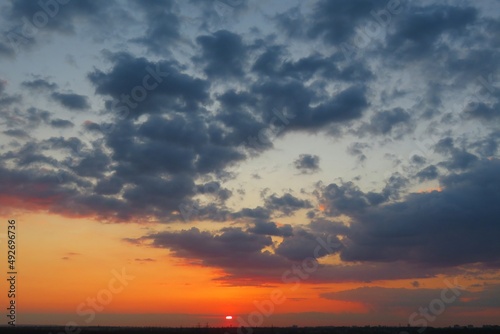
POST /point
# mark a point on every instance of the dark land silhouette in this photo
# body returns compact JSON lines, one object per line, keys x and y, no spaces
{"x":258,"y":330}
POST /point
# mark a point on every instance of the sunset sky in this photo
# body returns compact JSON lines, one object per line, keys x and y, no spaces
{"x":169,"y":163}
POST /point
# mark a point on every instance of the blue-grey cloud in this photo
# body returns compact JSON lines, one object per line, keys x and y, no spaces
{"x":307,"y":163}
{"x":61,"y":123}
{"x":71,"y":101}
{"x":450,"y":227}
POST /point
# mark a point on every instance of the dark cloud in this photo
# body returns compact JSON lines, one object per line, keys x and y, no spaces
{"x":58,"y":17}
{"x":357,"y":149}
{"x":30,"y":118}
{"x":362,"y":272}
{"x":61,"y":123}
{"x":9,"y":100}
{"x":428,"y":173}
{"x":241,"y":254}
{"x":97,"y":128}
{"x":215,"y":190}
{"x":245,"y":259}
{"x":418,"y":33}
{"x":295,"y":101}
{"x":31,"y":154}
{"x":16,"y":133}
{"x":154,"y":163}
{"x":46,"y":192}
{"x":397,"y":121}
{"x":292,"y":22}
{"x":223,"y":54}
{"x":242,"y":121}
{"x":6,"y":50}
{"x":418,"y":160}
{"x":231,"y":248}
{"x":259,"y":213}
{"x":163,"y":140}
{"x":307,"y":163}
{"x":451,"y":227}
{"x":39,"y":84}
{"x":3,"y":84}
{"x":348,"y":198}
{"x":71,"y":101}
{"x":145,"y":260}
{"x":216,"y":157}
{"x":460,"y":159}
{"x":163,"y":25}
{"x":270,"y":228}
{"x":336,"y":21}
{"x":172,"y":127}
{"x":347,"y":105}
{"x":71,"y":144}
{"x":327,"y":227}
{"x":138,"y":85}
{"x":93,"y":163}
{"x":445,"y":145}
{"x":268,"y":63}
{"x":488,"y":146}
{"x":483,"y":111}
{"x":35,"y":117}
{"x":274,"y":62}
{"x":394,"y":298}
{"x":412,"y":299}
{"x":109,"y":186}
{"x":302,"y":245}
{"x":286,"y":204}
{"x":305,"y":68}
{"x":217,"y":13}
{"x":178,"y":130}
{"x":394,"y":185}
{"x":156,"y":196}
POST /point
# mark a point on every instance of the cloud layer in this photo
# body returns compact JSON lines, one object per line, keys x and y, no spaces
{"x":162,"y":123}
